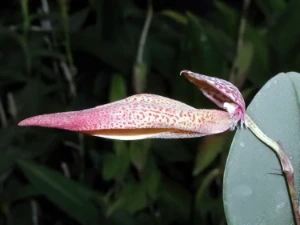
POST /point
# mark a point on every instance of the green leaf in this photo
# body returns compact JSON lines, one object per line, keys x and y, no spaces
{"x":150,"y":180}
{"x":11,"y":76}
{"x":146,"y":219}
{"x":245,"y":61}
{"x":37,"y":90}
{"x":205,"y":201}
{"x":133,"y":202}
{"x":208,"y":152}
{"x":207,"y":180}
{"x":280,"y":41}
{"x":220,"y":39}
{"x":179,"y":18}
{"x":110,"y":166}
{"x":78,"y":18}
{"x":121,"y":217}
{"x":176,"y":199}
{"x":228,"y":19}
{"x":11,"y":195}
{"x":123,"y":159}
{"x":271,"y":7}
{"x":109,"y":52}
{"x":161,"y":52}
{"x":20,"y":213}
{"x":259,"y":70}
{"x":139,"y":152}
{"x":118,"y":88}
{"x":115,"y":166}
{"x":26,"y":191}
{"x":127,"y":200}
{"x":172,"y":150}
{"x":201,"y":53}
{"x":71,"y":197}
{"x":11,"y":152}
{"x":253,"y":194}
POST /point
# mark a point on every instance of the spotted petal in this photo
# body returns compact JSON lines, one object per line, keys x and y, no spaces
{"x":138,"y":117}
{"x":221,"y":92}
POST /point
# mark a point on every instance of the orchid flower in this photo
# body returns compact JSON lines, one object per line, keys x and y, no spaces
{"x":144,"y":116}
{"x":140,"y":116}
{"x":221,"y":92}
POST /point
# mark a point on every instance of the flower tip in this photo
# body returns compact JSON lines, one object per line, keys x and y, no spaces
{"x":26,"y":122}
{"x":39,"y":121}
{"x":22,"y":123}
{"x":184,"y":71}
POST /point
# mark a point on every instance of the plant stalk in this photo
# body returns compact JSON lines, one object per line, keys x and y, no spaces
{"x":140,"y":67}
{"x":143,"y":38}
{"x":285,"y":162}
{"x":26,"y":28}
{"x":239,"y":45}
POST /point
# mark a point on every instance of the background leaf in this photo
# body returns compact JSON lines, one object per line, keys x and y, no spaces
{"x":70,"y":196}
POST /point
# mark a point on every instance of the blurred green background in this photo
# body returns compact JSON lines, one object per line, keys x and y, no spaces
{"x":69,"y":55}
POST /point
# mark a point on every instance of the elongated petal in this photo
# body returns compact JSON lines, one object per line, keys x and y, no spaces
{"x":138,"y":117}
{"x":220,"y":92}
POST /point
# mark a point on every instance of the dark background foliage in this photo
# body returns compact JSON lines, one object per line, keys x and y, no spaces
{"x":68,"y":55}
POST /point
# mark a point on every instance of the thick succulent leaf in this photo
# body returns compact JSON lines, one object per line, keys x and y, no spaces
{"x":255,"y":191}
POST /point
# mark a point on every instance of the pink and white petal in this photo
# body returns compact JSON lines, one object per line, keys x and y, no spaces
{"x":219,"y":91}
{"x":213,"y":98}
{"x":138,"y":117}
{"x":156,"y":99}
{"x":230,"y":92}
{"x":138,"y":134}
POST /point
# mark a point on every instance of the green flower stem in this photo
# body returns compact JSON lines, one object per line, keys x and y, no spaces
{"x":64,"y":10}
{"x":285,"y":162}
